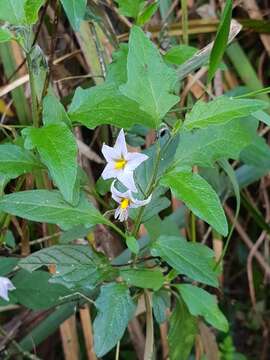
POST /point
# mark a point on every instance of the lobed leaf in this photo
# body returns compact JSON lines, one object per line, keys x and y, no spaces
{"x":104,"y":104}
{"x":150,"y":81}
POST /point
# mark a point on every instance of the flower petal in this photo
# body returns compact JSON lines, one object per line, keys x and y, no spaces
{"x":109,"y":171}
{"x":126,"y":178}
{"x":134,"y":160}
{"x":120,"y":144}
{"x":117,"y":195}
{"x":5,"y":286}
{"x":135,"y":203}
{"x":110,"y":153}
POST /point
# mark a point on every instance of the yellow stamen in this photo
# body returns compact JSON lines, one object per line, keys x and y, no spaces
{"x":120,"y":164}
{"x":124,"y":203}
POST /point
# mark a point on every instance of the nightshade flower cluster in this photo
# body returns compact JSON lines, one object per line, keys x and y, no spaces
{"x":5,"y":286}
{"x":121,"y":165}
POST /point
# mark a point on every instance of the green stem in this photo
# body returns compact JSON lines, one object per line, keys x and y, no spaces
{"x":149,"y":343}
{"x":149,"y":191}
{"x":34,"y":103}
{"x":116,"y":228}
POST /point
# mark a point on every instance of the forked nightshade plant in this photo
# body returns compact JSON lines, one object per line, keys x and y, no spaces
{"x":139,"y":256}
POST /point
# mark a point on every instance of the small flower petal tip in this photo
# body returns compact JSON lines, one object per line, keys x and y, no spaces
{"x":126,"y":201}
{"x":5,"y":286}
{"x":121,"y":163}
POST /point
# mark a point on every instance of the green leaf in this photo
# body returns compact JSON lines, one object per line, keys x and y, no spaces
{"x":143,"y":278}
{"x":12,"y":11}
{"x":104,"y":104}
{"x":58,"y":151}
{"x":15,"y":161}
{"x":5,"y":35}
{"x":7,"y":264}
{"x":179,"y":54}
{"x":191,"y":259}
{"x":161,"y":303}
{"x":77,"y":266}
{"x":204,"y":147}
{"x":74,"y":233}
{"x":200,"y":302}
{"x":115,"y":310}
{"x":220,"y":111}
{"x":50,"y":207}
{"x":54,"y":111}
{"x":75,"y":10}
{"x":221,"y":40}
{"x":34,"y":291}
{"x":147,"y":13}
{"x":130,"y":8}
{"x":150,"y":81}
{"x":257,"y":153}
{"x":199,"y":197}
{"x":31,"y":9}
{"x":132,"y":244}
{"x":182,"y":333}
{"x":117,"y":70}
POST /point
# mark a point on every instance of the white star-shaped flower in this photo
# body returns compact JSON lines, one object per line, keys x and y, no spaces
{"x":126,"y":201}
{"x":121,"y":163}
{"x":5,"y":286}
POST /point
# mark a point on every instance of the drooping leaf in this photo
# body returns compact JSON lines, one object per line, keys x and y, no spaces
{"x":54,"y":111}
{"x":200,"y":302}
{"x":15,"y":161}
{"x":5,"y":35}
{"x":76,"y":265}
{"x":199,"y":197}
{"x":161,"y":303}
{"x":74,"y":233}
{"x":182,"y":333}
{"x":58,"y":151}
{"x":7,"y":264}
{"x":75,"y":10}
{"x":221,"y":110}
{"x":104,"y":104}
{"x":143,"y":278}
{"x":191,"y":259}
{"x":179,"y":54}
{"x":203,"y":147}
{"x":34,"y":291}
{"x":221,"y":40}
{"x":130,"y":8}
{"x":115,"y":310}
{"x":50,"y":207}
{"x":31,"y":9}
{"x":150,"y":81}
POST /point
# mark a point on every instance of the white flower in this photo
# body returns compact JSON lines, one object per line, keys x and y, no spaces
{"x":5,"y":286}
{"x":126,"y":201}
{"x":121,"y":163}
